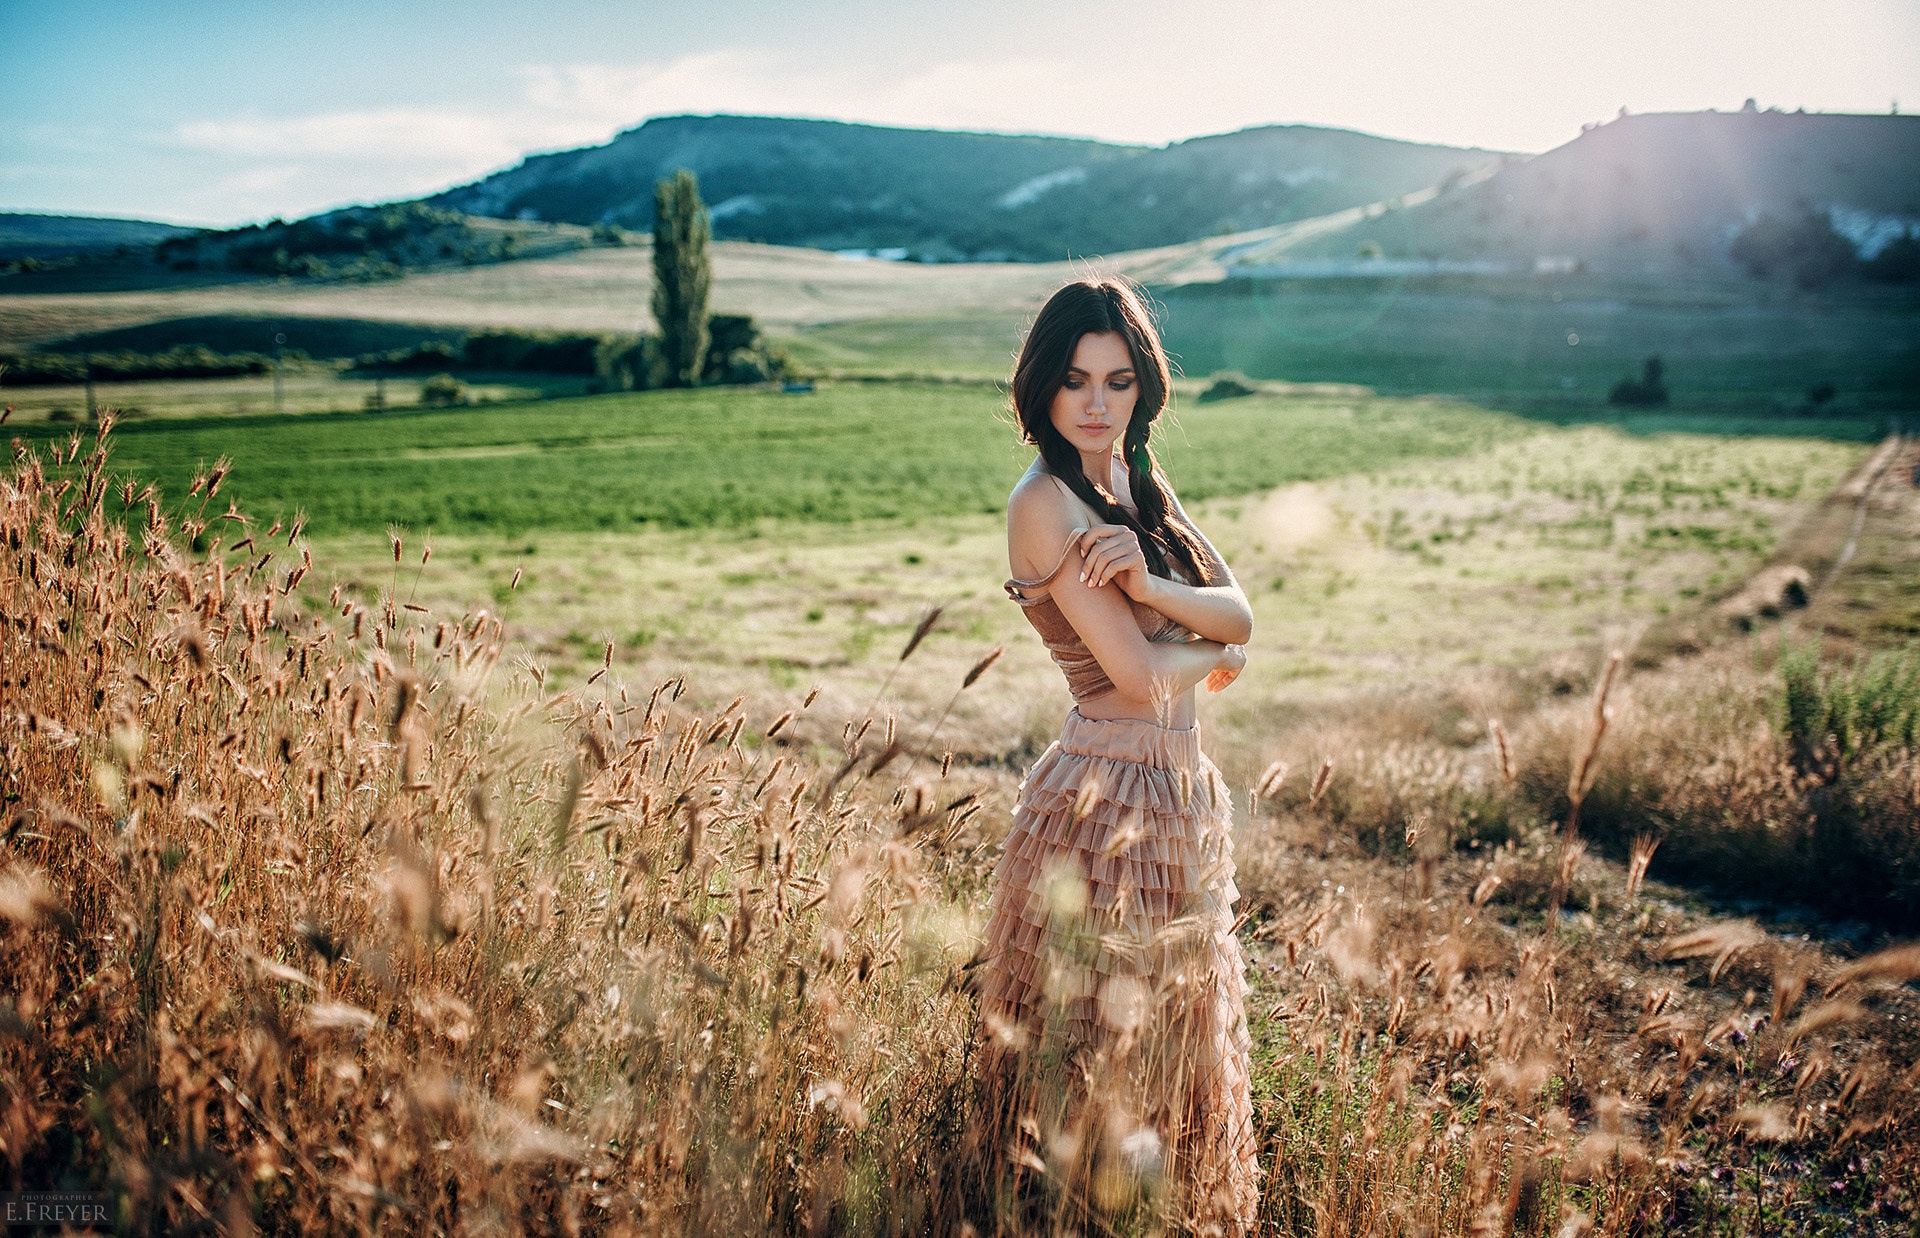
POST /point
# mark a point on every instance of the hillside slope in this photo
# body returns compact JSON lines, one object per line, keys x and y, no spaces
{"x":60,"y":236}
{"x":953,"y":196}
{"x":1663,"y":193}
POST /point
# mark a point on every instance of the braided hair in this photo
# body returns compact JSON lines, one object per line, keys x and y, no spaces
{"x":1095,"y":307}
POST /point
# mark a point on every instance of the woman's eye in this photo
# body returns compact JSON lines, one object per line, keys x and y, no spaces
{"x":1122,"y":386}
{"x":1073,"y":384}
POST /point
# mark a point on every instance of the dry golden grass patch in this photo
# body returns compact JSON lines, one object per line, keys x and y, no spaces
{"x":306,"y":926}
{"x":321,"y":915}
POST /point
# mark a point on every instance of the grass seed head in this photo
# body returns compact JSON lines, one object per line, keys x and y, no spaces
{"x":980,"y":667}
{"x":1320,"y":781}
{"x":920,"y":632}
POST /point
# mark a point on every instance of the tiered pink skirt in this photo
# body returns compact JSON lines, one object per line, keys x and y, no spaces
{"x":1112,"y":999}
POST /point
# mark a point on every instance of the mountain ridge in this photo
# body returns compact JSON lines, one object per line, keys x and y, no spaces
{"x":1651,"y":194}
{"x":947,"y":195}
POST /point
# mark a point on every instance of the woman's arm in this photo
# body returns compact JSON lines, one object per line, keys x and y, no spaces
{"x":1217,"y":611}
{"x":1039,"y":522}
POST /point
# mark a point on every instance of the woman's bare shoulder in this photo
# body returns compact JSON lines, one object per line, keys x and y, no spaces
{"x":1043,"y":500}
{"x":1041,"y":515}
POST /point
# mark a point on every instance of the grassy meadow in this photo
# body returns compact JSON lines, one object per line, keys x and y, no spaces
{"x":586,"y":290}
{"x":1556,"y":345}
{"x":717,"y":457}
{"x":605,"y":951}
{"x":1532,"y":546}
{"x":522,"y":817}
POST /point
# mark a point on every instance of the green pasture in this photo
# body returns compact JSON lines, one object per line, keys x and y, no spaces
{"x":1502,"y":568}
{"x":977,"y":343}
{"x":731,"y":457}
{"x":1555,"y":347}
{"x":1736,"y":362}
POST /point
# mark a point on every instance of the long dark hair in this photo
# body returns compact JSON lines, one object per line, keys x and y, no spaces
{"x":1095,"y":307}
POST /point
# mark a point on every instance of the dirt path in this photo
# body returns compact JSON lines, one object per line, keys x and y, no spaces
{"x":1851,"y":570}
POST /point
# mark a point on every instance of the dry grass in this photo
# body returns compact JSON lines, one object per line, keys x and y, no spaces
{"x":298,"y":931}
{"x":590,"y":290}
{"x":1627,"y":1063}
{"x":330,"y":922}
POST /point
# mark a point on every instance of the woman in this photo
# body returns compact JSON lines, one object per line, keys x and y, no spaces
{"x":1111,"y":997}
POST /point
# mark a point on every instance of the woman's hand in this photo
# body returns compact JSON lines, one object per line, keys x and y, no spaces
{"x":1112,"y":553}
{"x":1233,"y":659}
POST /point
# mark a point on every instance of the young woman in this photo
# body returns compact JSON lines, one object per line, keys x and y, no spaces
{"x":1112,"y":1011}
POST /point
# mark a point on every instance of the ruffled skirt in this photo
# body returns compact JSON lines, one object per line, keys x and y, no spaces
{"x":1112,"y":999}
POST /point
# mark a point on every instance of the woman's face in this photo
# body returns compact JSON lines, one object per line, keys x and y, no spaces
{"x":1093,"y":406}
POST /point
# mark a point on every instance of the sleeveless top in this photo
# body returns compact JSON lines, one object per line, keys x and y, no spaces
{"x":1086,"y":680}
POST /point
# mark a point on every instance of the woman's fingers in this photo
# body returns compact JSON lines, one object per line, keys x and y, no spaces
{"x":1111,"y":563}
{"x":1107,"y":551}
{"x":1108,"y":558}
{"x":1233,"y":659}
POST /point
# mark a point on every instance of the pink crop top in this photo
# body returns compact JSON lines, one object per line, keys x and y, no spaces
{"x":1086,"y":680}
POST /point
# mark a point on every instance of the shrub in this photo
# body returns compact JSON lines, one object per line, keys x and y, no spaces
{"x":1227,"y":387}
{"x":362,"y":243}
{"x":737,"y":354}
{"x":182,"y":361}
{"x":430,"y":357}
{"x":443,"y":391}
{"x":1834,"y":716}
{"x":1897,"y":263}
{"x":536,"y":352}
{"x":1649,"y":391}
{"x":629,"y":363}
{"x":1804,"y":248}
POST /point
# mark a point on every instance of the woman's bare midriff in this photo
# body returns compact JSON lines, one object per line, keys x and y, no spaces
{"x":1176,"y":714}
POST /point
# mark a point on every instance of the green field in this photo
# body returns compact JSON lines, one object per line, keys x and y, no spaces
{"x":1556,"y":346}
{"x":1728,"y":353}
{"x":729,"y":457}
{"x":1465,"y":573}
{"x":766,"y":539}
{"x":1741,"y":356}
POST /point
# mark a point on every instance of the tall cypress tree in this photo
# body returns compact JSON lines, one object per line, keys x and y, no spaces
{"x":682,"y":276}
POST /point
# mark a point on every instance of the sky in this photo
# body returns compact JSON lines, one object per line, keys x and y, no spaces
{"x":220,"y":112}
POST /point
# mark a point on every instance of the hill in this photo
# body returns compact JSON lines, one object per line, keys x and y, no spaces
{"x":63,"y":236}
{"x":1662,"y":194}
{"x":945,"y":196}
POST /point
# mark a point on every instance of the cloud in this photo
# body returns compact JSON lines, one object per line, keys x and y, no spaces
{"x":997,"y":93}
{"x":297,"y":164}
{"x":388,"y":134}
{"x":267,"y":178}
